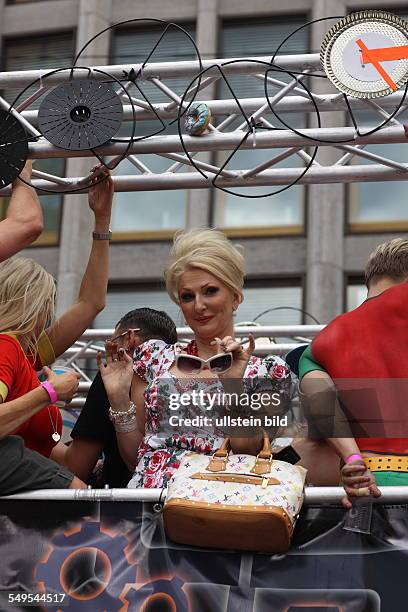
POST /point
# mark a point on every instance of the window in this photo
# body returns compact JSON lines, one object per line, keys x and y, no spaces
{"x":121,"y":300}
{"x":378,"y":206}
{"x":270,"y":303}
{"x":356,"y":294}
{"x":257,"y":299}
{"x":45,"y":53}
{"x":155,"y":214}
{"x":282,"y":213}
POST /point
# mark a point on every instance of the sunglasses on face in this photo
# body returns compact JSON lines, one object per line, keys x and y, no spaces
{"x":134,"y":329}
{"x":218,"y":364}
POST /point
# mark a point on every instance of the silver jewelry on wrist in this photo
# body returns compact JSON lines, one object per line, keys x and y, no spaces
{"x":102,"y":235}
{"x":123,"y":416}
{"x":125,"y":427}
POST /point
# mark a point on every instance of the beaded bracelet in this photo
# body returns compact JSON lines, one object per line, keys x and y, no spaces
{"x":119,"y":416}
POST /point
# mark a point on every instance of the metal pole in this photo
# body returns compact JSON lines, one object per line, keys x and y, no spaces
{"x":218,"y":141}
{"x":164,"y":69}
{"x":295,"y":104}
{"x":313,"y":495}
{"x":281,"y":176}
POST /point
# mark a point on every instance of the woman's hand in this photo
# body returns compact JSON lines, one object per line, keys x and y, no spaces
{"x":117,"y":375}
{"x":240,"y":355}
{"x":357,"y":481}
{"x":100,"y":196}
{"x":65,"y":385}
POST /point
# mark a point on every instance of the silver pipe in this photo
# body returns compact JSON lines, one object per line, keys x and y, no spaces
{"x":277,"y":176}
{"x":295,"y":104}
{"x":162,"y":70}
{"x":217,"y":141}
{"x":313,"y":495}
{"x":240,"y":330}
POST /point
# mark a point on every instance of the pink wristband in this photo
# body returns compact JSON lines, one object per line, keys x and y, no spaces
{"x":354,"y":457}
{"x":50,"y":390}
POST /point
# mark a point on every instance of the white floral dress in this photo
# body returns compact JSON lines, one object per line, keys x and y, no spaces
{"x":162,"y":447}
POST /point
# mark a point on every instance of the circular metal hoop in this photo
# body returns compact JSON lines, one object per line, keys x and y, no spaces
{"x":13,"y":148}
{"x":80,"y":115}
{"x":265,"y":67}
{"x":346,"y":44}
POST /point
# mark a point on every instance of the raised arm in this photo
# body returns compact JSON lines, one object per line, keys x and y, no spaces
{"x":123,"y":387}
{"x":24,"y":220}
{"x":92,"y":294}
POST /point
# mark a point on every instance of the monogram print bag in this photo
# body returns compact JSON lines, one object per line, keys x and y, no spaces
{"x":238,"y":502}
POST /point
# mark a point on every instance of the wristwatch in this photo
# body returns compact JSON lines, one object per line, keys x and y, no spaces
{"x":102,"y":235}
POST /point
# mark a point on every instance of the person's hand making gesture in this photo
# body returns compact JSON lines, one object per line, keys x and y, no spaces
{"x":116,"y":374}
{"x":240,"y":355}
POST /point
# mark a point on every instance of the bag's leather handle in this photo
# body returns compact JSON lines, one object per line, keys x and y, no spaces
{"x":263,"y":462}
{"x":266,"y":452}
{"x":218,"y":461}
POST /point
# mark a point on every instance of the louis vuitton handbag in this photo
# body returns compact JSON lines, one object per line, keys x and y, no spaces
{"x":238,"y":502}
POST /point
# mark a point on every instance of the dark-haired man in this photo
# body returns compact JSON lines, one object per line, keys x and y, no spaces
{"x":93,"y":432}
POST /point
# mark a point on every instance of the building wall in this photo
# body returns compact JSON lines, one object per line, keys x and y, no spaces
{"x":322,"y":257}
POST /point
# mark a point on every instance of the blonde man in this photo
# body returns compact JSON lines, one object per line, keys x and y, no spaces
{"x":365,"y":352}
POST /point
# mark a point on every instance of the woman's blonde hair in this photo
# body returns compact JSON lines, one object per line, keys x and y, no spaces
{"x":27,"y":299}
{"x":209,"y":250}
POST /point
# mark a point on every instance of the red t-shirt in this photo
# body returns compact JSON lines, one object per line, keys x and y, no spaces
{"x":18,"y":377}
{"x":366,"y":351}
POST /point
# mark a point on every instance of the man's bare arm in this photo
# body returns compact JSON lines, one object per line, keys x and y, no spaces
{"x":24,"y":219}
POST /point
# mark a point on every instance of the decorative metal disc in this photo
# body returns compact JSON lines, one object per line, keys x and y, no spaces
{"x":13,"y":148}
{"x":80,"y":115}
{"x":365,"y":55}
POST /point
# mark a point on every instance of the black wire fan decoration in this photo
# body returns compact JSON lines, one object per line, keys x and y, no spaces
{"x":86,"y":113}
{"x":80,"y":115}
{"x":13,"y":148}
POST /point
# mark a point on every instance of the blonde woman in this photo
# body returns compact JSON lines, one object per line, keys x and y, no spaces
{"x":30,"y":340}
{"x":205,"y":277}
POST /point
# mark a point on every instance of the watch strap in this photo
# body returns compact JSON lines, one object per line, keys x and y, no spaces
{"x":102,"y":235}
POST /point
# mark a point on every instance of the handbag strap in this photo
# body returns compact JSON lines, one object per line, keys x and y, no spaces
{"x":218,"y":462}
{"x":263,"y":462}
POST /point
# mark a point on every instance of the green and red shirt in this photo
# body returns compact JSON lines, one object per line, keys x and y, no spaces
{"x":366,"y":350}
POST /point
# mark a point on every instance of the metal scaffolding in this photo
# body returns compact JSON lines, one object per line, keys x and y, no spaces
{"x":265,"y":338}
{"x":232,"y":120}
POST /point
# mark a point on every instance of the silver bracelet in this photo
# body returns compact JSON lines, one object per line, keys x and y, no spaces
{"x":126,"y":427}
{"x":119,"y":416}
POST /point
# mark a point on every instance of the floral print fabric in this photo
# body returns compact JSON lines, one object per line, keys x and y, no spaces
{"x":163,"y":447}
